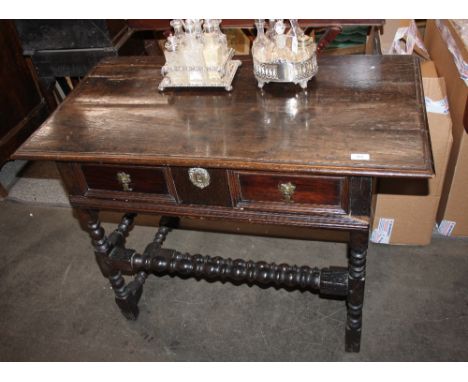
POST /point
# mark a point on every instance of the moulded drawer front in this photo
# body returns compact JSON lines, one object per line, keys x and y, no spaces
{"x":129,"y":179}
{"x":290,"y":192}
{"x":215,"y":191}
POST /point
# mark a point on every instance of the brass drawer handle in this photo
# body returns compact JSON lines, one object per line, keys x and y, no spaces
{"x":287,"y":190}
{"x":124,"y":179}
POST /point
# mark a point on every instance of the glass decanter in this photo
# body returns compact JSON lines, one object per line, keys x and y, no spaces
{"x":222,"y":39}
{"x":193,"y":50}
{"x":170,"y":51}
{"x":212,"y":48}
{"x":173,"y":59}
{"x":302,"y":46}
{"x":261,"y":46}
{"x":178,"y":26}
{"x":198,"y":27}
{"x":282,"y":42}
{"x":270,"y":33}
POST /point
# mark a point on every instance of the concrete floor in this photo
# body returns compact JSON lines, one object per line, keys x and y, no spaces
{"x":55,"y":305}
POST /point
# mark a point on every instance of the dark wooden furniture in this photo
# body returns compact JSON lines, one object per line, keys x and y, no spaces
{"x":22,"y":107}
{"x":277,"y":156}
{"x":71,"y":48}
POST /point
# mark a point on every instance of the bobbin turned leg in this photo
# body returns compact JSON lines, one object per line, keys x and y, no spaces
{"x":356,"y":278}
{"x":125,"y":298}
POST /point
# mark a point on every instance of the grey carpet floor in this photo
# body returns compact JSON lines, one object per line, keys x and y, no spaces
{"x":55,"y":305}
{"x":34,"y":182}
{"x":9,"y":173}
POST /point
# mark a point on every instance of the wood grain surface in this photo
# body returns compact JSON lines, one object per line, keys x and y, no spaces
{"x":356,"y":105}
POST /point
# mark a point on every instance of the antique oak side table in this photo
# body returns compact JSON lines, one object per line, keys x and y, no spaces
{"x":278,"y":156}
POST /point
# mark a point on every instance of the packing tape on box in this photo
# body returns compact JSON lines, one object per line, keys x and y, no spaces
{"x":460,"y":63}
{"x":439,"y":107}
{"x":383,"y":232}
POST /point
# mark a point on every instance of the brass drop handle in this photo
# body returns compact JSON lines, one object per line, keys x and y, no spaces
{"x":287,"y":190}
{"x":125,"y":180}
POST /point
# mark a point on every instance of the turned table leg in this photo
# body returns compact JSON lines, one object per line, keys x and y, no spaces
{"x":356,"y":279}
{"x":126,"y":298}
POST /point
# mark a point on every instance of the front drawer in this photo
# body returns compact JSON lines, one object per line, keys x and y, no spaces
{"x":206,"y":186}
{"x":284,"y":192}
{"x":126,"y":181}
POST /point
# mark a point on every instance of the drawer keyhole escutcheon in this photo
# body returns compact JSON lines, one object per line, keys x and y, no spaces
{"x":287,"y":190}
{"x":124,"y":180}
{"x":199,"y":177}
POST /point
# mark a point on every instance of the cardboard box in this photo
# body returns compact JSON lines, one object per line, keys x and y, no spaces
{"x":406,"y":210}
{"x":386,"y":38}
{"x":453,"y":210}
{"x":410,"y":219}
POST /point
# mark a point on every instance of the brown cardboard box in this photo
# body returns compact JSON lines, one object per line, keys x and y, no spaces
{"x":386,"y":38}
{"x":413,"y":218}
{"x":453,"y":209}
{"x":405,"y":211}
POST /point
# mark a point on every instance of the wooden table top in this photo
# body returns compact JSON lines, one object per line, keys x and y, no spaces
{"x":371,"y":105}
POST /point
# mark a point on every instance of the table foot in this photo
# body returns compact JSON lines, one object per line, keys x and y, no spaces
{"x":126,"y":296}
{"x":353,"y":328}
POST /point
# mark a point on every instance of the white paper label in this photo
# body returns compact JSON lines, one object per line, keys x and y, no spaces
{"x":360,"y":156}
{"x":383,"y":232}
{"x":439,"y":107}
{"x":446,"y":227}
